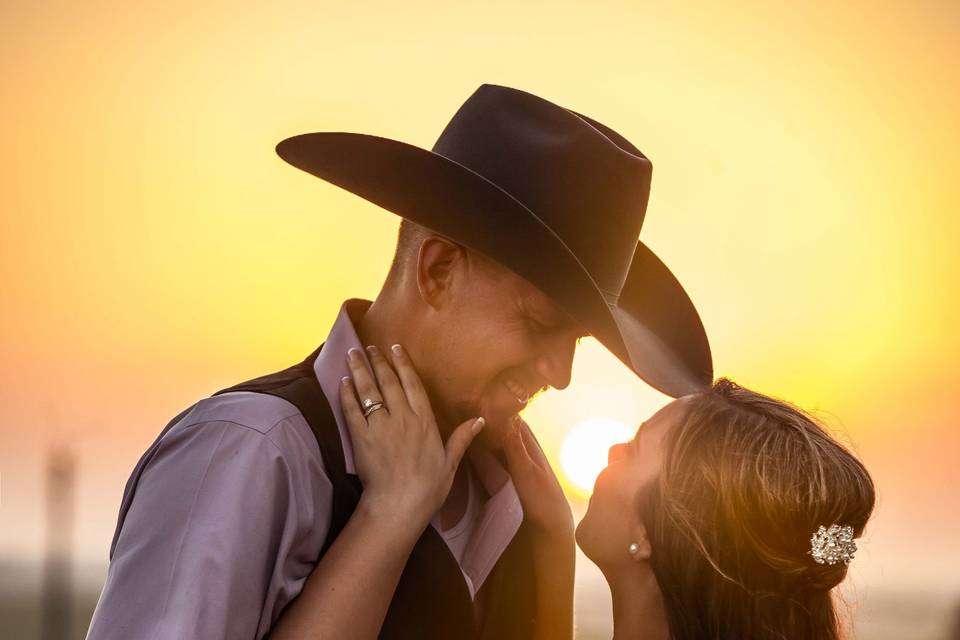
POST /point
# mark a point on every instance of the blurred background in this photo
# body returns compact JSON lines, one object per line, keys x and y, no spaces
{"x":155,"y":249}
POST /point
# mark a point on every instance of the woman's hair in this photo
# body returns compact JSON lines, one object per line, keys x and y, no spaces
{"x":746,"y":482}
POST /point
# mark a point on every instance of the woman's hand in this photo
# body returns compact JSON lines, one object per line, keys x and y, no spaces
{"x":406,"y":473}
{"x":546,"y":510}
{"x":545,"y":507}
{"x":402,"y":462}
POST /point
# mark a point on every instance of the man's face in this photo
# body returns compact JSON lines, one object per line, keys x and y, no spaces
{"x":498,"y":341}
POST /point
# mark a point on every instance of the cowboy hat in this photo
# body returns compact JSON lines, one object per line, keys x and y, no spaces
{"x":553,"y":195}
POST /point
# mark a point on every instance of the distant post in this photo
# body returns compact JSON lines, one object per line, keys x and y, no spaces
{"x":58,"y":565}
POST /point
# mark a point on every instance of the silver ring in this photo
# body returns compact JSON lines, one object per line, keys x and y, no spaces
{"x":370,"y":405}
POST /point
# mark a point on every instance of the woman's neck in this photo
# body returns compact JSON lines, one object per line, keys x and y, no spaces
{"x":638,"y":610}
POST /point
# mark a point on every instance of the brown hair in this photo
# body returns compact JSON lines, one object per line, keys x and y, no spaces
{"x":745,"y":483}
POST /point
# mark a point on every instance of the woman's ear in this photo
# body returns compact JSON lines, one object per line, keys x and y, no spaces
{"x":436,"y":262}
{"x":639,"y":548}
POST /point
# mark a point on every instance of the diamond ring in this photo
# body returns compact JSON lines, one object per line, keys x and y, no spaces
{"x":370,"y":405}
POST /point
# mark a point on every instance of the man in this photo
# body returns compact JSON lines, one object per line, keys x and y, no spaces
{"x":519,"y":236}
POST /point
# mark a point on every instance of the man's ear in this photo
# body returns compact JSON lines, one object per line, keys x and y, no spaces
{"x":437,"y":263}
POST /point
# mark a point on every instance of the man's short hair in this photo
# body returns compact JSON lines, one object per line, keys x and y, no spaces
{"x":409,"y":238}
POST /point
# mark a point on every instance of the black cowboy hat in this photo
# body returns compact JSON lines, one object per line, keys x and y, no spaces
{"x":556,"y":197}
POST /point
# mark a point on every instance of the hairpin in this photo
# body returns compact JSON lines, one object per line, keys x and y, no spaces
{"x":833,"y":545}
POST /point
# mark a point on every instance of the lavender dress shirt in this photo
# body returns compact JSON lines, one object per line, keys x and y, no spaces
{"x":224,"y":516}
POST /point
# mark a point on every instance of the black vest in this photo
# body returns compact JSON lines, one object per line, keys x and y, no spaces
{"x":431,"y":599}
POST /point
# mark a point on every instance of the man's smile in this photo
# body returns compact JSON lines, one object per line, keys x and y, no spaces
{"x":518,"y":392}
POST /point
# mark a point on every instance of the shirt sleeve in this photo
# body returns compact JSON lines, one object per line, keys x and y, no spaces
{"x":200,"y":550}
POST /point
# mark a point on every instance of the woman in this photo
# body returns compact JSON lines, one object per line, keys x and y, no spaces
{"x":702,"y":524}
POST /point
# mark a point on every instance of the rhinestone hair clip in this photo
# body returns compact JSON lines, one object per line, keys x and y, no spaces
{"x":833,"y":545}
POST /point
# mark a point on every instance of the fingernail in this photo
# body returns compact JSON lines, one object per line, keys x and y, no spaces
{"x":397,"y":349}
{"x":345,"y":381}
{"x":354,"y":354}
{"x":372,"y":350}
{"x":478,"y":424}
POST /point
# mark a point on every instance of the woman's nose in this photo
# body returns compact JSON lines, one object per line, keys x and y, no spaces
{"x":615,"y":453}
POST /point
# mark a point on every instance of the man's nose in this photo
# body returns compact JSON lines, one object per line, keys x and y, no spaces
{"x":616,"y":452}
{"x":556,"y":364}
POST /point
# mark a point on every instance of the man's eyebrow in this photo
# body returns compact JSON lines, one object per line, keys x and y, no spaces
{"x":546,"y":315}
{"x":567,"y":321}
{"x":558,"y":318}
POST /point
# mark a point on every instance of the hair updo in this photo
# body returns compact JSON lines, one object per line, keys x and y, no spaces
{"x":746,"y":481}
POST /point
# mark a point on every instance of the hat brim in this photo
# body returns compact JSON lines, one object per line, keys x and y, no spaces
{"x":653,"y":327}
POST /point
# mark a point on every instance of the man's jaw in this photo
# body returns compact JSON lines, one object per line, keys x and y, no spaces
{"x":500,"y":403}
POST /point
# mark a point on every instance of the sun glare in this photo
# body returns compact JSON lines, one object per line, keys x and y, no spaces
{"x":583,"y":454}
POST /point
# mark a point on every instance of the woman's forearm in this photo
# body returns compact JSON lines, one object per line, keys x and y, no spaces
{"x":350,"y":589}
{"x":554,"y":566}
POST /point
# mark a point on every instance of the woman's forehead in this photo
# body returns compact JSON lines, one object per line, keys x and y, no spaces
{"x":664,"y":418}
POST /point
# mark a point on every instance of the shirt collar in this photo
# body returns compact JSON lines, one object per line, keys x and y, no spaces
{"x":331,"y":365}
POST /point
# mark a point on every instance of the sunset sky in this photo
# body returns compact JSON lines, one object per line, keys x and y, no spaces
{"x":806,"y":191}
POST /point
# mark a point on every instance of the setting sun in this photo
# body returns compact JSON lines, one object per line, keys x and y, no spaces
{"x":584,"y":452}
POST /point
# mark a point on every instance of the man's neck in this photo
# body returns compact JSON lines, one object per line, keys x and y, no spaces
{"x":638,"y":609}
{"x":378,"y":327}
{"x":375,"y":327}
{"x":455,"y":506}
{"x":386,"y":323}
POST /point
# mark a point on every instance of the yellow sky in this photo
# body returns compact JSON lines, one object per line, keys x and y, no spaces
{"x":155,"y":249}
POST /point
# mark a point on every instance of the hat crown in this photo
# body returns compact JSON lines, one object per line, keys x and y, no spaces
{"x":584,"y":181}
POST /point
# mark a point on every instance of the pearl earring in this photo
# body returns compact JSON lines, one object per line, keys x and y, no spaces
{"x":634,"y":547}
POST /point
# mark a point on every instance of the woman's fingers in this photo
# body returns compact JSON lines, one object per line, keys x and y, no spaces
{"x":519,"y":461}
{"x":532,"y":445}
{"x":541,"y":495}
{"x":460,"y":439}
{"x":351,"y":408}
{"x":526,"y":461}
{"x":362,"y":378}
{"x":387,"y":381}
{"x":412,"y":386}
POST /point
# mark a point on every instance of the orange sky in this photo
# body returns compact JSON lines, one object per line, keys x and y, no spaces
{"x":155,"y":249}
